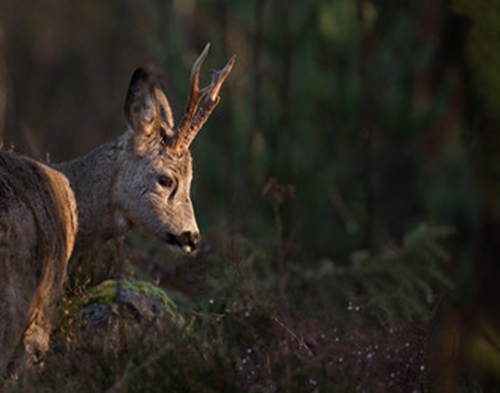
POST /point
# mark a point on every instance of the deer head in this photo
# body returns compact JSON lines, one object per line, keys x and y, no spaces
{"x":152,"y":186}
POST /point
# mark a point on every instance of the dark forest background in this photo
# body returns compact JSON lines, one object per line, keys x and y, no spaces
{"x":347,"y":186}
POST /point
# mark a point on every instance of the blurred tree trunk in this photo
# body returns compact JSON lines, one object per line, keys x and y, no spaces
{"x":3,"y":86}
{"x":366,"y":129}
{"x":488,"y":251}
{"x":462,"y":326}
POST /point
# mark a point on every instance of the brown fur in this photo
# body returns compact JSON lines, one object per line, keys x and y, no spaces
{"x":37,"y":231}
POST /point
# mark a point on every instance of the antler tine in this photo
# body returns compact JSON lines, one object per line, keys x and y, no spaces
{"x":211,"y":101}
{"x":195,"y":94}
{"x":192,"y":122}
{"x":218,"y":78}
{"x":195,"y":70}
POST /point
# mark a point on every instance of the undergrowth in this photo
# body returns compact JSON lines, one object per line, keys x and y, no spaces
{"x":243,"y":332}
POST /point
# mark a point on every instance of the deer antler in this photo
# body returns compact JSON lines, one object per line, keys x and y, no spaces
{"x":192,"y":121}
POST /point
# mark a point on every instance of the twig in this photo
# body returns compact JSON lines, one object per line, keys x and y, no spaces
{"x":301,"y":342}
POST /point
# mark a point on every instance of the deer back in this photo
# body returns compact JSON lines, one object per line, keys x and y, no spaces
{"x":38,"y":224}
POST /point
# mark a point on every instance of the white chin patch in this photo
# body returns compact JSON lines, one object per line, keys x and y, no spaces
{"x":187,"y":249}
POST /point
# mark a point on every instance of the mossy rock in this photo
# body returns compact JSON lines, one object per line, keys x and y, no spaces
{"x":129,"y":291}
{"x":119,"y":310}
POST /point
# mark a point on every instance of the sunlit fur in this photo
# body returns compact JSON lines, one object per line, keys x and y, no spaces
{"x":37,"y":231}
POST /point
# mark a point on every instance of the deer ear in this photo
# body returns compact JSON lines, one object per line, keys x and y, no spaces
{"x":147,"y":109}
{"x":166,"y":117}
{"x":142,"y":109}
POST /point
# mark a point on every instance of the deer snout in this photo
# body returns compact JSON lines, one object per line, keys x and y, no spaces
{"x":189,"y":241}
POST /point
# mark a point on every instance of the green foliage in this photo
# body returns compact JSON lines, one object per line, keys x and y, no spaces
{"x":398,"y":283}
{"x":406,"y":272}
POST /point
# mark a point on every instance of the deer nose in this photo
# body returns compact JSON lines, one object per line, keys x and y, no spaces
{"x":189,"y":241}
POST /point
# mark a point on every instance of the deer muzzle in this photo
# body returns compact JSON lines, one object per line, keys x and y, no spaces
{"x":188,"y":241}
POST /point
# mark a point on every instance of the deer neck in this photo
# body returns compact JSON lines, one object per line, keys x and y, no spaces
{"x":92,"y":177}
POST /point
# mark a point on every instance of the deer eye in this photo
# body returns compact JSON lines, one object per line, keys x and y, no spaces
{"x":164,"y":181}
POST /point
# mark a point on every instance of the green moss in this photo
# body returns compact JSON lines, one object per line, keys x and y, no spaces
{"x":105,"y":293}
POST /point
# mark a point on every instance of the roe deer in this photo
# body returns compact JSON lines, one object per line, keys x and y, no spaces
{"x":142,"y":179}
